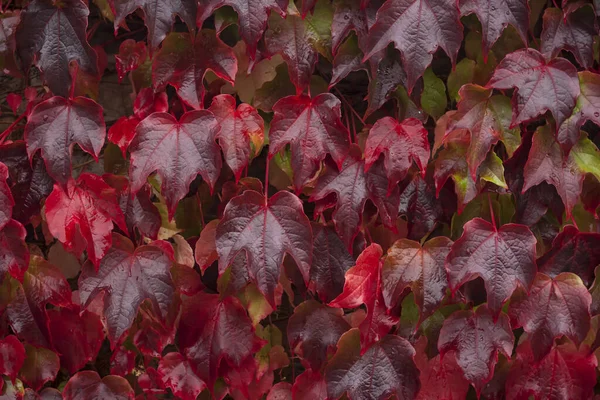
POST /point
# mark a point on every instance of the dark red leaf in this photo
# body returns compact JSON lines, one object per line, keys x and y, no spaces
{"x":420,"y":206}
{"x":127,"y":276}
{"x":476,"y":338}
{"x":386,"y":75}
{"x":14,"y":102}
{"x":265,"y":231}
{"x":504,"y":258}
{"x":131,"y":55}
{"x":8,"y":45}
{"x":87,"y":385}
{"x":309,"y":385}
{"x":205,"y":252}
{"x":177,"y":374}
{"x":350,"y":16}
{"x":12,"y":356}
{"x":51,"y":36}
{"x":347,"y":59}
{"x":6,"y":199}
{"x":14,"y":255}
{"x":41,"y":365}
{"x":122,"y":361}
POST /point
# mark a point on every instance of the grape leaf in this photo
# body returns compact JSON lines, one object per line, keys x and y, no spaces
{"x":495,"y":17}
{"x":187,"y":147}
{"x":542,"y":85}
{"x":313,"y":129}
{"x":41,"y":365}
{"x":572,"y":251}
{"x":184,"y":59}
{"x":386,"y":368}
{"x":265,"y":230}
{"x":12,"y":356}
{"x":552,"y":308}
{"x":565,"y":373}
{"x":291,"y":38}
{"x":212,"y":330}
{"x":314,"y":330}
{"x":477,"y":338}
{"x":51,"y":35}
{"x":503,"y":258}
{"x":352,"y":187}
{"x":56,"y":124}
{"x":408,"y":264}
{"x":82,"y":218}
{"x":239,"y":127}
{"x":176,"y":373}
{"x":417,"y":28}
{"x":159,"y":17}
{"x":401,"y":143}
{"x":86,"y":385}
{"x":127,"y":276}
{"x":571,"y":29}
{"x":6,"y":199}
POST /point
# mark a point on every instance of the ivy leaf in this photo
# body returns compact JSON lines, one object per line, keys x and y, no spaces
{"x":6,"y":199}
{"x":127,"y":276}
{"x":159,"y":18}
{"x":314,"y":330}
{"x":495,"y":17}
{"x":408,"y":264}
{"x":183,"y":60}
{"x":477,"y":337}
{"x":56,"y":124}
{"x":41,"y":365}
{"x":51,"y":36}
{"x":265,"y":231}
{"x":239,"y":127}
{"x":386,"y":368}
{"x":542,"y":85}
{"x":88,"y":385}
{"x":503,"y":257}
{"x":401,"y":143}
{"x":417,"y":28}
{"x":82,"y":218}
{"x":187,"y":148}
{"x":176,"y":373}
{"x":552,"y":308}
{"x":313,"y":129}
{"x":12,"y":356}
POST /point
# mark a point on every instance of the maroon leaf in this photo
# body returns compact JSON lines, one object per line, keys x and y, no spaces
{"x":184,"y":59}
{"x":417,"y":28}
{"x":386,"y":75}
{"x":408,"y":264}
{"x":313,"y":129}
{"x":12,"y":356}
{"x":56,"y":124}
{"x":82,"y":218}
{"x":503,"y":257}
{"x":350,"y":16}
{"x":177,"y":374}
{"x":211,"y":330}
{"x":127,"y":276}
{"x":8,"y":45}
{"x":314,"y":330}
{"x":265,"y":231}
{"x":88,"y":385}
{"x":239,"y":127}
{"x":347,"y":59}
{"x":477,"y":338}
{"x":6,"y":198}
{"x":187,"y":147}
{"x":159,"y":18}
{"x":41,"y":365}
{"x":542,"y":85}
{"x":51,"y":36}
{"x":420,"y":206}
{"x":386,"y":368}
{"x":14,"y":255}
{"x":552,"y":308}
{"x":401,"y":143}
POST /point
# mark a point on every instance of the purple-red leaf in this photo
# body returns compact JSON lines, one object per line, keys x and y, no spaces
{"x":350,"y":16}
{"x":87,"y":385}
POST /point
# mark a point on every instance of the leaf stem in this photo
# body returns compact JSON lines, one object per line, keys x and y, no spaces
{"x":8,"y":130}
{"x":267,"y":180}
{"x":491,"y":211}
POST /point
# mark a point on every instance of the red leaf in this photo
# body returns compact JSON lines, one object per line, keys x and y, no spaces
{"x":353,"y":187}
{"x":552,"y":308}
{"x":53,"y":35}
{"x":401,"y":143}
{"x":386,"y":368}
{"x":6,"y":199}
{"x":14,"y":101}
{"x":184,"y":59}
{"x":41,"y":365}
{"x":122,"y":132}
{"x":238,"y":128}
{"x":205,"y":251}
{"x":265,"y":231}
{"x":503,"y":257}
{"x":176,"y":373}
{"x":88,"y":385}
{"x":211,"y":330}
{"x":417,"y":28}
{"x":159,"y":18}
{"x":565,"y":373}
{"x":127,"y":276}
{"x":408,"y":264}
{"x":122,"y":361}
{"x":82,"y":218}
{"x":542,"y":85}
{"x":186,"y":147}
{"x":12,"y":356}
{"x":291,"y":38}
{"x":313,"y":129}
{"x":131,"y":55}
{"x":314,"y":330}
{"x":477,"y":339}
{"x":14,"y":255}
{"x":56,"y":124}
{"x":309,"y":385}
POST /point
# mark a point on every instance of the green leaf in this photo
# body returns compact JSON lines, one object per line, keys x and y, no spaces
{"x":433,"y":99}
{"x":461,"y":75}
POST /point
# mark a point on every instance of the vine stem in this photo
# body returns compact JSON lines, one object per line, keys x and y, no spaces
{"x":8,"y":130}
